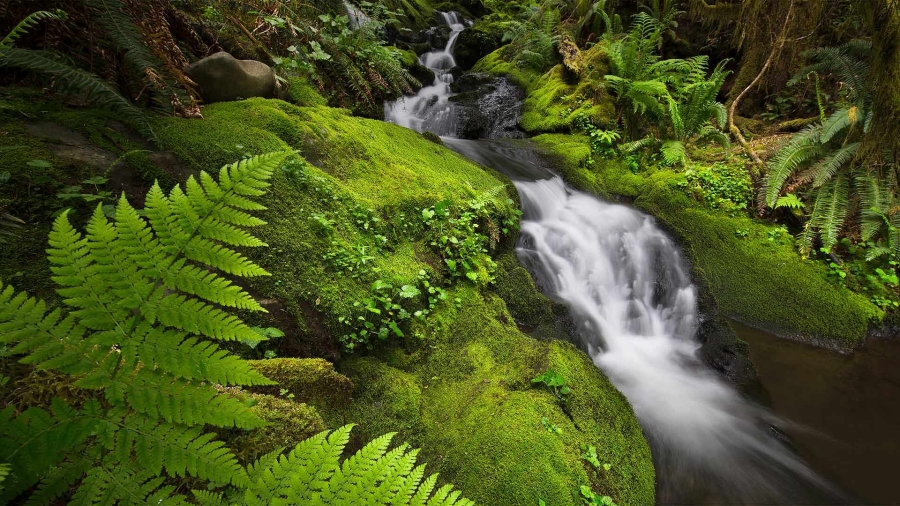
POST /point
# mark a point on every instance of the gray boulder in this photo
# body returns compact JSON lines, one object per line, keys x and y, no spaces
{"x":224,"y":78}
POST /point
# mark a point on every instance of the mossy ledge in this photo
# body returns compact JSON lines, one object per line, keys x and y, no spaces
{"x":466,"y":398}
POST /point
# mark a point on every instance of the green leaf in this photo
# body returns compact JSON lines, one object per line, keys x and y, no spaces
{"x":409,"y":292}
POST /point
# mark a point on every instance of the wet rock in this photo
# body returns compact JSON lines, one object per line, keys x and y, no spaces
{"x":487,"y":107}
{"x":422,"y":74}
{"x":471,"y":81}
{"x":474,"y":45}
{"x":224,"y":78}
{"x":439,"y":36}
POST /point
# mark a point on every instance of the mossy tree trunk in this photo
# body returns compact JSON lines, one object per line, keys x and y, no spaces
{"x":884,"y":16}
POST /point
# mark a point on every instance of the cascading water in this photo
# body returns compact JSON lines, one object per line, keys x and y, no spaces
{"x":630,"y":293}
{"x":430,"y":109}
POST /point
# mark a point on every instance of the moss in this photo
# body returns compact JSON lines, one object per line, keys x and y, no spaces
{"x":555,"y":99}
{"x":287,"y":424}
{"x":433,"y":138}
{"x":526,"y":304}
{"x":466,"y":398}
{"x":301,"y":92}
{"x":757,"y":281}
{"x":495,"y":64}
{"x":391,"y":399}
{"x":313,"y":380}
{"x":29,"y":387}
{"x":355,"y":165}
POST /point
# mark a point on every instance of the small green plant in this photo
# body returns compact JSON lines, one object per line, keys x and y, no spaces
{"x":591,"y":499}
{"x":550,"y":427}
{"x":555,"y":382}
{"x":741,"y":233}
{"x":721,"y":186}
{"x":355,"y":261}
{"x":324,"y":226}
{"x":589,"y":454}
{"x":778,"y":235}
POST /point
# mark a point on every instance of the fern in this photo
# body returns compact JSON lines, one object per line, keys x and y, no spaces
{"x":829,"y":212}
{"x":26,"y":24}
{"x":68,"y":77}
{"x":142,"y":309}
{"x":8,"y":224}
{"x":790,"y":201}
{"x":79,"y":82}
{"x":824,"y":156}
{"x":313,"y":474}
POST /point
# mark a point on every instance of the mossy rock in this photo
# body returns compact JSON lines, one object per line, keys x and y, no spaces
{"x":287,"y":424}
{"x":556,"y":98}
{"x":352,"y":166}
{"x":300,"y":92}
{"x":310,"y":380}
{"x":466,"y":398}
{"x":762,"y":283}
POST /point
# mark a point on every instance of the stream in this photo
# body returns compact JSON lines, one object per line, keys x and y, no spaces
{"x":630,"y":295}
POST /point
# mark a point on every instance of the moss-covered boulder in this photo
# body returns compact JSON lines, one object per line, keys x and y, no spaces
{"x":460,"y":386}
{"x":466,"y":398}
{"x":288,"y":422}
{"x":555,"y":99}
{"x":312,"y":380}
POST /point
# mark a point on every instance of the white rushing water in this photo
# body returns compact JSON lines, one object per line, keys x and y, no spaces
{"x":631,"y":296}
{"x":430,"y":109}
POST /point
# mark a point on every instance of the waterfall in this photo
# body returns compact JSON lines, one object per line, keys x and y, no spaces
{"x":430,"y":109}
{"x":630,"y":294}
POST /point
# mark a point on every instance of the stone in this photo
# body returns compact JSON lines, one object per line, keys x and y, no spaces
{"x":224,"y":78}
{"x":474,"y":45}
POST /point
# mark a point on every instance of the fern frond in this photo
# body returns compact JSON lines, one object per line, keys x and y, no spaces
{"x":312,"y":474}
{"x":673,"y":152}
{"x":79,"y":82}
{"x":177,"y":401}
{"x":849,"y":63}
{"x":830,"y":211}
{"x":178,"y":449}
{"x":789,"y":201}
{"x":25,"y":440}
{"x":802,"y":150}
{"x":822,"y":171}
{"x":876,"y":202}
{"x":59,"y":481}
{"x":838,"y":122}
{"x":27,"y":24}
{"x":631,"y":147}
{"x":136,"y":313}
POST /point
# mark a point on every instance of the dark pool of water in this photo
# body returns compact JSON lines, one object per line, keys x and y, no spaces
{"x":843,"y":411}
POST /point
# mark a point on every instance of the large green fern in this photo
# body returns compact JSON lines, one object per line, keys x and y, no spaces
{"x":822,"y":158}
{"x":27,"y":24}
{"x":312,"y":473}
{"x":145,"y":298}
{"x":143,"y":312}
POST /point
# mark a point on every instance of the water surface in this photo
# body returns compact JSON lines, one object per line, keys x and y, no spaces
{"x":845,"y":409}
